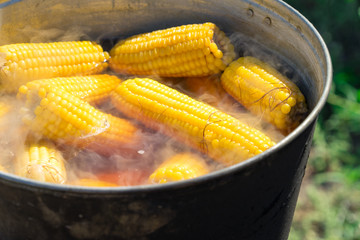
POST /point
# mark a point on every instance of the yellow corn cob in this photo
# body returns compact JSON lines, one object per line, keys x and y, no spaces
{"x":93,"y":89}
{"x":265,"y":92}
{"x":188,"y":50}
{"x":30,"y":61}
{"x":41,"y":161}
{"x":58,"y":115}
{"x":199,"y":125}
{"x":179,"y":167}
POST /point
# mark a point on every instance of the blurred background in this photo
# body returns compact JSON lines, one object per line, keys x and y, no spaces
{"x":329,"y":202}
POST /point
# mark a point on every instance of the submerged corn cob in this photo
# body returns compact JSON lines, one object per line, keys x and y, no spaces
{"x":265,"y":92}
{"x":199,"y":125}
{"x":30,"y":61}
{"x":127,"y":177}
{"x":41,"y":161}
{"x":2,"y":169}
{"x":93,"y":89}
{"x":179,"y":167}
{"x":209,"y":90}
{"x":9,"y":122}
{"x":188,"y":50}
{"x":5,"y":107}
{"x":121,"y":135}
{"x":58,"y":115}
{"x":89,"y":182}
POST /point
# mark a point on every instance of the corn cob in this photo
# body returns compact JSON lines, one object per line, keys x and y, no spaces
{"x":188,"y":50}
{"x":30,"y":61}
{"x":93,"y":89}
{"x":58,"y":115}
{"x":89,"y":182}
{"x":265,"y":92}
{"x":197,"y":124}
{"x":179,"y":167}
{"x":41,"y":161}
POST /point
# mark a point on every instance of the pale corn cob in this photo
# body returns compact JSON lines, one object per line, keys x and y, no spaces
{"x":29,"y":61}
{"x":94,"y":89}
{"x":188,"y":50}
{"x":56,"y":114}
{"x":199,"y":125}
{"x":265,"y":92}
{"x":180,"y":167}
{"x":41,"y":161}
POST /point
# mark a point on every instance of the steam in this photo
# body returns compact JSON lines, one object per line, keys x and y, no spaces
{"x":12,"y":132}
{"x":74,"y":33}
{"x":126,"y":169}
{"x":246,"y":46}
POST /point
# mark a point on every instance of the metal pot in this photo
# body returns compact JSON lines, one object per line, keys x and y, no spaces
{"x":254,"y":199}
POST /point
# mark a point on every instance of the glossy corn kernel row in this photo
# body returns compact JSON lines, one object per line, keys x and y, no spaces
{"x":197,"y":124}
{"x":265,"y":92}
{"x":188,"y":50}
{"x":93,"y":89}
{"x":41,"y":161}
{"x":58,"y":115}
{"x":180,"y":167}
{"x":30,"y":61}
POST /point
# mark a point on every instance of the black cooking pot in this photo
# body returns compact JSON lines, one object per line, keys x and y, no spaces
{"x":254,"y":199}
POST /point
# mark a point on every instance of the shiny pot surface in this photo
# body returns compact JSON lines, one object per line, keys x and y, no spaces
{"x":251,"y":200}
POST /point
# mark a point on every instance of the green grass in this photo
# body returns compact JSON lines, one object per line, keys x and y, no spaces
{"x":330,"y":212}
{"x":329,"y":204}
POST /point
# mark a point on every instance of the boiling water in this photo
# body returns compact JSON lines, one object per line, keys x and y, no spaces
{"x":134,"y":169}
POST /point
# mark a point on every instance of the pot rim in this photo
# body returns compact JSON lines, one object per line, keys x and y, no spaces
{"x":26,"y":183}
